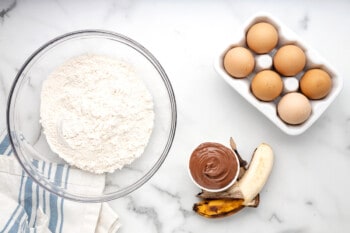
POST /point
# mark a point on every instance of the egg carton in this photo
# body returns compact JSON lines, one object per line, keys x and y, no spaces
{"x":291,"y":84}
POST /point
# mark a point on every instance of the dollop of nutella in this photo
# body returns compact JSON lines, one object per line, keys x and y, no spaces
{"x":213,"y":166}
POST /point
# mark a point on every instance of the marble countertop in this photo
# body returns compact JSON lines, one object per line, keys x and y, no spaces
{"x":308,"y":189}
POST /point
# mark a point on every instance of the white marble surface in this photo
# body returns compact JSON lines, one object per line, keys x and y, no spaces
{"x":308,"y":190}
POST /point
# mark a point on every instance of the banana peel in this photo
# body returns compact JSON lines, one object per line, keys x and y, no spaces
{"x":216,"y":208}
{"x":244,"y":192}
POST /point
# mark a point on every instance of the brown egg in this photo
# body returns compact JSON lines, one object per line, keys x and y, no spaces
{"x":267,"y":85}
{"x":262,"y":37}
{"x":294,"y":108}
{"x":289,"y":60}
{"x":239,"y":62}
{"x":316,"y":84}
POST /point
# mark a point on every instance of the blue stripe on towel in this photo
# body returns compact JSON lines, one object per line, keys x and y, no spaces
{"x":65,"y":186}
{"x":4,"y":144}
{"x":10,"y":152}
{"x":44,"y":199}
{"x":36,"y":164}
{"x":28,"y":201}
{"x":20,"y":189}
{"x":53,"y":212}
{"x":18,"y":222}
{"x":53,"y":200}
{"x":48,"y":177}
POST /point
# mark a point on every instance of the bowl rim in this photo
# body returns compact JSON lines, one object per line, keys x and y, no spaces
{"x":151,"y":58}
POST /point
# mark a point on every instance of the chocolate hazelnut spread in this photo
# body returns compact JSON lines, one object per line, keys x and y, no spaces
{"x":213,"y":166}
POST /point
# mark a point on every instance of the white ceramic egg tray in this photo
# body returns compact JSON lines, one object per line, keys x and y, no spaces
{"x":269,"y":109}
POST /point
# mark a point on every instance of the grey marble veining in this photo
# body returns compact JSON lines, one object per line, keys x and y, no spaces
{"x":6,"y":7}
{"x":308,"y":189}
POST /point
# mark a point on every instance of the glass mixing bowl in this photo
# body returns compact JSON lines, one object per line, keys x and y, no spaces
{"x":23,"y":115}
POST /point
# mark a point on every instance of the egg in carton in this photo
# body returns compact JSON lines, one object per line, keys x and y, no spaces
{"x":306,"y":107}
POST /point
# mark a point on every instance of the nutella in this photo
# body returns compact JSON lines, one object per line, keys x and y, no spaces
{"x":213,"y":166}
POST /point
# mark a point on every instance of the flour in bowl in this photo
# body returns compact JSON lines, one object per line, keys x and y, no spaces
{"x":96,"y":113}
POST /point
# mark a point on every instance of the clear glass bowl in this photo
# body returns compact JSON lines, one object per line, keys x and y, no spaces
{"x":23,"y":114}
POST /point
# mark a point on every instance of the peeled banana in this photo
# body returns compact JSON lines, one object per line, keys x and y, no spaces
{"x":245,"y":192}
{"x":257,"y":173}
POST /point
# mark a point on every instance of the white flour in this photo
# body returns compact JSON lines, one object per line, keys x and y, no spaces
{"x":96,"y":114}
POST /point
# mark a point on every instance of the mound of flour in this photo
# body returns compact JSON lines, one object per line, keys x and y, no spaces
{"x":96,"y":113}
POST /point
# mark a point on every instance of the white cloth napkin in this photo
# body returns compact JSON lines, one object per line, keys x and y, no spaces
{"x":26,"y":207}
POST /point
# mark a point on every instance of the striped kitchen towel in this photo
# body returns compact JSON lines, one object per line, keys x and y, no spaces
{"x":26,"y":207}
